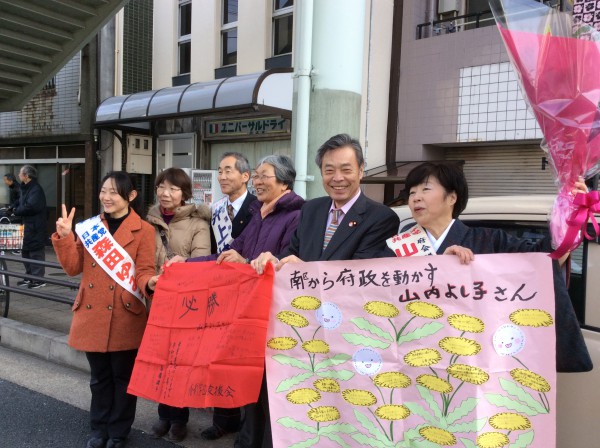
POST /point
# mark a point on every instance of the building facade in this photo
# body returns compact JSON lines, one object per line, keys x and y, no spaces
{"x":54,"y":131}
{"x":223,"y":75}
{"x":459,"y":99}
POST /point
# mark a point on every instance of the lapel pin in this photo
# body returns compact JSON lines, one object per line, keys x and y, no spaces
{"x":352,"y":223}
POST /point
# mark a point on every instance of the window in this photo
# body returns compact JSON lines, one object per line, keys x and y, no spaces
{"x":283,"y":20}
{"x":229,"y":32}
{"x":185,"y":37}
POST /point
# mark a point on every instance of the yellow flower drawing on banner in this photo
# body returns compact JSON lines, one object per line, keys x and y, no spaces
{"x":392,"y":412}
{"x":379,"y":338}
{"x":510,"y":421}
{"x":306,"y":303}
{"x":327,"y":385}
{"x":327,"y":317}
{"x":438,"y":435}
{"x":387,"y":411}
{"x":422,"y":357}
{"x":316,"y":346}
{"x":437,"y":390}
{"x":292,"y":319}
{"x":508,"y":341}
{"x":319,"y":415}
{"x":460,"y":346}
{"x":282,"y":343}
{"x":531,"y":318}
{"x":323,"y":414}
{"x":359,"y":397}
{"x":492,"y":440}
{"x":468,"y":374}
{"x":311,"y":345}
{"x":435,"y":383}
{"x":466,"y":323}
{"x":303,"y":396}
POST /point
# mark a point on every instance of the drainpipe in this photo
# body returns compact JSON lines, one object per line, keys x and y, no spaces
{"x":302,"y":87}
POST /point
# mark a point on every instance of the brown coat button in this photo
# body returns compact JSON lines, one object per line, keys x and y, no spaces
{"x":93,"y":264}
{"x":91,"y":285}
{"x":109,"y":307}
{"x":127,"y":305}
{"x":88,"y":306}
{"x":111,"y":287}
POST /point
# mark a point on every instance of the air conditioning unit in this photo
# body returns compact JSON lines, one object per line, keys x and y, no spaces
{"x":139,"y":154}
{"x":447,"y":6}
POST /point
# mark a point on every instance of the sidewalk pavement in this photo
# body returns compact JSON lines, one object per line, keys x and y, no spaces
{"x":40,"y":327}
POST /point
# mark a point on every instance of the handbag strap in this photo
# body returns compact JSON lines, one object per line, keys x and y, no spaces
{"x":163,"y":237}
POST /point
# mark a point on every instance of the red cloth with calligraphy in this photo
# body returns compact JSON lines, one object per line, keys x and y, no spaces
{"x":204,"y":344}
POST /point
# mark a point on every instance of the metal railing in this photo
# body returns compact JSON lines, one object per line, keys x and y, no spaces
{"x":454,"y":24}
{"x":467,"y":21}
{"x":6,"y":289}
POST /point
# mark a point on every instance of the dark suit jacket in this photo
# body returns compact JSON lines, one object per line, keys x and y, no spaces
{"x":240,"y":221}
{"x":571,"y":352}
{"x":361,"y":234}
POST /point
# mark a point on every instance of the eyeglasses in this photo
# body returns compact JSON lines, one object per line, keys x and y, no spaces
{"x":173,"y":190}
{"x":262,"y":178}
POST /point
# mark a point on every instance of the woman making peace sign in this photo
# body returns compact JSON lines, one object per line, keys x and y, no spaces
{"x":115,"y":252}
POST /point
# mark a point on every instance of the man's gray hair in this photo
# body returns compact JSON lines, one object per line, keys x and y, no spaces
{"x":340,"y":141}
{"x":29,"y":171}
{"x":241,"y":162}
{"x":284,"y":169}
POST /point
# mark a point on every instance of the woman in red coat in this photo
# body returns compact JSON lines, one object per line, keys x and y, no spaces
{"x":115,"y":251}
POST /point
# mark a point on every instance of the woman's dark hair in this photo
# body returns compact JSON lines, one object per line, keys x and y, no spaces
{"x":11,"y":177}
{"x":450,"y":176}
{"x":124,"y":184}
{"x":178,"y":178}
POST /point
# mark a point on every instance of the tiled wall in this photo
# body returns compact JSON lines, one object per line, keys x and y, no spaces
{"x":491,"y":106}
{"x":53,"y":111}
{"x":435,"y":109}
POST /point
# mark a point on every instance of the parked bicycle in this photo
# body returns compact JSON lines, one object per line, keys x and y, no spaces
{"x":11,"y":239}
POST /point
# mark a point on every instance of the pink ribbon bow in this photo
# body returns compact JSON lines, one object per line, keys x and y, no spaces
{"x":585,"y":207}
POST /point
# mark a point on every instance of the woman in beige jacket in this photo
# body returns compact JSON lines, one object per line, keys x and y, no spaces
{"x":181,"y":229}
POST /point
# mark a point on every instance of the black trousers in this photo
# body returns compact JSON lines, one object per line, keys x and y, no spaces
{"x":227,"y":420}
{"x":34,"y":269}
{"x":112,"y":410}
{"x":173,"y":414}
{"x":256,"y":424}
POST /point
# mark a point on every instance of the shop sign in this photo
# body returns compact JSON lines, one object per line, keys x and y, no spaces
{"x":257,"y":126}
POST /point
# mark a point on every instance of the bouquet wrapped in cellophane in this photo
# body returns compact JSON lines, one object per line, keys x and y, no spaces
{"x":557,"y":62}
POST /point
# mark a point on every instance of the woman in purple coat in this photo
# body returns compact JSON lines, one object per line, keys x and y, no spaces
{"x":276,"y":213}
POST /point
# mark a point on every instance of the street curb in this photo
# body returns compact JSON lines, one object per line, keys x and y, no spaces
{"x":41,"y":342}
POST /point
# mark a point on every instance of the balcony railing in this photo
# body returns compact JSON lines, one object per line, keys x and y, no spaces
{"x":456,"y":23}
{"x":466,"y":21}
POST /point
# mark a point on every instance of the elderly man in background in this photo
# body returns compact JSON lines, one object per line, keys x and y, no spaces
{"x":32,"y":207}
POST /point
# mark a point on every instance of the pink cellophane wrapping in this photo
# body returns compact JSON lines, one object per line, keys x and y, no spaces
{"x":559,"y":77}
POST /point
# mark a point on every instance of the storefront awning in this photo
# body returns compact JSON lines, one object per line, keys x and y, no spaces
{"x":269,"y":91}
{"x":393,"y":173}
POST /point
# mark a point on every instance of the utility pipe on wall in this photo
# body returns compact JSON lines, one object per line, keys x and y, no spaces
{"x":302,"y":88}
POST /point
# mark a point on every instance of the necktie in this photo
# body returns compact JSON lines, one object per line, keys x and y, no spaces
{"x":332,"y":226}
{"x":230,"y":212}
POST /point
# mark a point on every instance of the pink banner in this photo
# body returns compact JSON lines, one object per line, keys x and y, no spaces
{"x":419,"y":351}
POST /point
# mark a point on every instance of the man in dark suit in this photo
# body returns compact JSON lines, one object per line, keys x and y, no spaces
{"x":345,"y":224}
{"x":231,"y":214}
{"x":230,"y":217}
